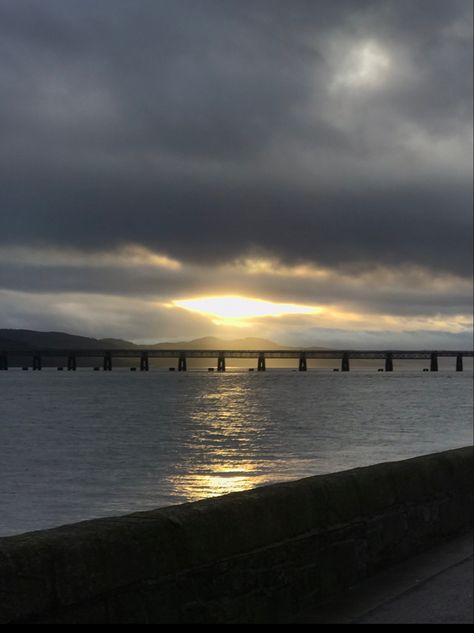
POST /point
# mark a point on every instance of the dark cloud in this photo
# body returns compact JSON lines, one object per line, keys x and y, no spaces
{"x":429,"y":226}
{"x":311,"y":131}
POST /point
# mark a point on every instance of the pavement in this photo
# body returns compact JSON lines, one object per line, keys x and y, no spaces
{"x":435,"y":587}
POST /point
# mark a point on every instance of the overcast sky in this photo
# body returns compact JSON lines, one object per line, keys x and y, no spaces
{"x":310,"y":152}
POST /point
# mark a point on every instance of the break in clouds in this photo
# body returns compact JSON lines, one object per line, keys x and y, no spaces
{"x":312,"y":152}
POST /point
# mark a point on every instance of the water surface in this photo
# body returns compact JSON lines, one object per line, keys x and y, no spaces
{"x":77,"y":445}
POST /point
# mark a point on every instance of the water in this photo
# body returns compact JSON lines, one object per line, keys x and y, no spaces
{"x":87,"y":444}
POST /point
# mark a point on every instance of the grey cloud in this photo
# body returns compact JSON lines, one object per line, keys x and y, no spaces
{"x":410,"y":293}
{"x":429,"y":226}
{"x":142,"y":320}
{"x":99,"y":316}
{"x":207,"y":130}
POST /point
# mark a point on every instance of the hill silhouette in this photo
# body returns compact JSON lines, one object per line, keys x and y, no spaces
{"x":213,"y":342}
{"x":12,"y":339}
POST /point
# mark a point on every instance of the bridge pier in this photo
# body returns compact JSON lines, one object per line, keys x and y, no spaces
{"x":261,"y":365}
{"x":108,"y":361}
{"x":303,"y":366}
{"x":221,"y":362}
{"x":434,"y":362}
{"x":71,"y":363}
{"x":459,"y":365}
{"x":345,"y":366}
{"x":3,"y":362}
{"x":37,"y":364}
{"x":182,"y":365}
{"x":388,"y":362}
{"x":144,"y":362}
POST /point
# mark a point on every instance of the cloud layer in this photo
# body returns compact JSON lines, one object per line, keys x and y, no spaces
{"x":311,"y":152}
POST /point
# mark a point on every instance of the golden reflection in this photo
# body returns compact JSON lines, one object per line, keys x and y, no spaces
{"x":223,"y":479}
{"x":223,"y":444}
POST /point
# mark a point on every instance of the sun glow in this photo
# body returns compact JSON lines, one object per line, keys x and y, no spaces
{"x":234,"y":309}
{"x":365,"y":65}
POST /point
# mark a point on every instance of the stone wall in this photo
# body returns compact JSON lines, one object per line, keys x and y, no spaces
{"x":248,"y":557}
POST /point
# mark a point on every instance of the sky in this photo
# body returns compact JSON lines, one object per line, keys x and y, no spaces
{"x":296,"y":170}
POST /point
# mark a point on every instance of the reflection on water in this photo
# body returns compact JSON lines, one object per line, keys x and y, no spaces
{"x":77,"y":445}
{"x":222,"y":443}
{"x":222,"y":479}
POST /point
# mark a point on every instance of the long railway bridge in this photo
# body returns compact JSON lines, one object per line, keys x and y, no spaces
{"x":35,"y":357}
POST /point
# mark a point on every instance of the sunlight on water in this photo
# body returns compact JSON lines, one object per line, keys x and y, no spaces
{"x":82,"y":444}
{"x":227,"y":437}
{"x":223,"y":479}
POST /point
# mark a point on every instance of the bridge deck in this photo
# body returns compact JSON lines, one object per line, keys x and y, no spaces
{"x":215,"y":353}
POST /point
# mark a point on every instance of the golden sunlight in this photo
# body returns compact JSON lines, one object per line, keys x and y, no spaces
{"x":231,"y":309}
{"x":222,"y":480}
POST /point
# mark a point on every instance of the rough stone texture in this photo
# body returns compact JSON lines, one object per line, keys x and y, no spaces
{"x":248,"y":557}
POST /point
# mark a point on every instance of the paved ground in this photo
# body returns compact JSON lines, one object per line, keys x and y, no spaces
{"x":433,"y":588}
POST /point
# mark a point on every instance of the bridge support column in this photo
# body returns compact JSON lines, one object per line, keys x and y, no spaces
{"x":345,"y":366}
{"x":182,"y":366}
{"x":108,"y":361}
{"x":434,"y":362}
{"x":71,"y":363}
{"x":3,"y":362}
{"x":388,"y":362}
{"x":459,"y":365}
{"x":303,"y":364}
{"x":261,"y":366}
{"x":221,"y":362}
{"x":37,"y":365}
{"x":144,"y":362}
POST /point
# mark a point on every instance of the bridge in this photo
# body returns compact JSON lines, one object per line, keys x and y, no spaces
{"x":107,"y":356}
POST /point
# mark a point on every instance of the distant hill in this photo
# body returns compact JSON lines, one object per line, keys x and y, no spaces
{"x":30,"y":339}
{"x":116,"y":343}
{"x":213,"y":342}
{"x":12,"y":340}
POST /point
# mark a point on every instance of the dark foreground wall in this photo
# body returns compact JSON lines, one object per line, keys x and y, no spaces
{"x":247,"y":557}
